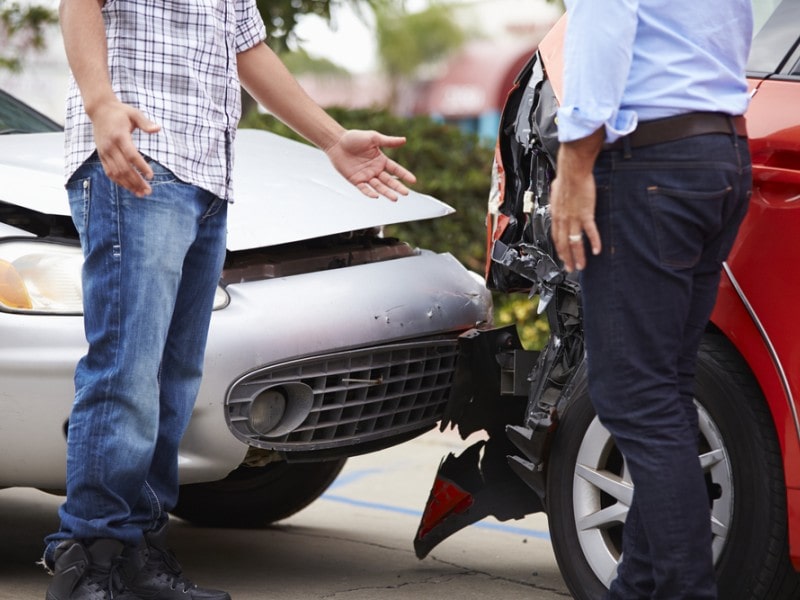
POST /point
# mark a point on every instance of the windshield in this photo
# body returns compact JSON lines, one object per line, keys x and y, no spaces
{"x":762,"y":10}
{"x":17,"y":117}
{"x":775,"y":35}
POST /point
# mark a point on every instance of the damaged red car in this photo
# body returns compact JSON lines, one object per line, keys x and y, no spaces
{"x":546,"y":450}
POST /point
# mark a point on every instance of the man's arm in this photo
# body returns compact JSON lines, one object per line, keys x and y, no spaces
{"x":572,"y":200}
{"x":598,"y":50}
{"x":355,"y":154}
{"x":598,"y":53}
{"x":87,"y":52}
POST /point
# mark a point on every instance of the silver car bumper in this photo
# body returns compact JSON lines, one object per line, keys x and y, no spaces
{"x":268,"y":325}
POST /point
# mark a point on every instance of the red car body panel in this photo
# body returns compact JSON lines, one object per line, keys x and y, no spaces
{"x":762,"y":264}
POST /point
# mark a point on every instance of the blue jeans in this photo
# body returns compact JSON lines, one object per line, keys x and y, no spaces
{"x":151,"y":267}
{"x":668,"y":215}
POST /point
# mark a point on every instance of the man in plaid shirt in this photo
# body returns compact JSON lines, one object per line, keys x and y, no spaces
{"x":151,"y":117}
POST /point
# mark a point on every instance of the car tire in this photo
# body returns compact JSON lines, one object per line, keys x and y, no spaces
{"x":588,"y":484}
{"x":255,"y":497}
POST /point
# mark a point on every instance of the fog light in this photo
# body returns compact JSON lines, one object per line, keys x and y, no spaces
{"x":279,"y":410}
{"x":267,"y":410}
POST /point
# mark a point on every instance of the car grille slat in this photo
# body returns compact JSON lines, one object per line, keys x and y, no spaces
{"x":358,"y":395}
{"x":392,"y":412}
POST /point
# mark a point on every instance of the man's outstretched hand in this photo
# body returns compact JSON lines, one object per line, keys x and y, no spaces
{"x":358,"y":157}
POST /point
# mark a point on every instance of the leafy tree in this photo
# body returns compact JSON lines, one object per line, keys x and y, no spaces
{"x":298,"y":61}
{"x":281,"y":16}
{"x":22,"y":29}
{"x":406,"y":41}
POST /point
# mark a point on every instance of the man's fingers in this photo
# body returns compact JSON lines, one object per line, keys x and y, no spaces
{"x":140,"y":121}
{"x":125,"y":166}
{"x":390,"y":141}
{"x":571,"y":244}
{"x":559,"y":242}
{"x":149,"y":126}
{"x":575,"y":244}
{"x":399,"y":171}
{"x":384,"y":185}
{"x":394,"y":183}
{"x":358,"y":157}
{"x":593,"y":235}
{"x":141,"y":165}
{"x":565,"y":254}
{"x":128,"y":172}
{"x":367,"y":190}
{"x":383,"y":189}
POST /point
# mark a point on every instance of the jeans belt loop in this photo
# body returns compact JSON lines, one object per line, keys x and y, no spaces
{"x":627,"y":153}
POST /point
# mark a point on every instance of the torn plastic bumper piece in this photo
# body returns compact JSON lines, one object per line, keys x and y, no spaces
{"x":530,"y":471}
{"x":486,"y":359}
{"x":489,"y":392}
{"x":470,"y":487}
{"x":534,"y":439}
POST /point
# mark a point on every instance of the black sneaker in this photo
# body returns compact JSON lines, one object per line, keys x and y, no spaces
{"x":89,"y":572}
{"x":153,"y":573}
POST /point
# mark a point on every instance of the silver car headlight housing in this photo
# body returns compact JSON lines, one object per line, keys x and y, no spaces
{"x":45,"y":278}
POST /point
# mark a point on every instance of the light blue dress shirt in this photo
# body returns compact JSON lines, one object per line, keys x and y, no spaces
{"x":627,"y":61}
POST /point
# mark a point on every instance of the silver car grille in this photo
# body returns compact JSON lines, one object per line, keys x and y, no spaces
{"x":358,"y":395}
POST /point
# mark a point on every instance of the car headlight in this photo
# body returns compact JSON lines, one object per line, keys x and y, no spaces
{"x":221,"y":298}
{"x":40,"y":277}
{"x":45,"y":277}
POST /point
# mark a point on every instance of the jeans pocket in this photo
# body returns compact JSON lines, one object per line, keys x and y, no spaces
{"x":683,"y":219}
{"x":161,"y":174}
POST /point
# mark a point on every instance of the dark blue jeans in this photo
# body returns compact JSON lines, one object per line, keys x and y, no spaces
{"x":668,"y":215}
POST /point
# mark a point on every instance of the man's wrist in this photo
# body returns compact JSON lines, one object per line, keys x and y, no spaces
{"x":92,"y":103}
{"x":578,"y":156}
{"x":331,"y":136}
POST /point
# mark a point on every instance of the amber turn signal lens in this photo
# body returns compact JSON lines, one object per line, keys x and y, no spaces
{"x":13,"y":293}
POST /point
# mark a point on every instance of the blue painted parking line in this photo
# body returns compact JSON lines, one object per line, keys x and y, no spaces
{"x":350,"y":477}
{"x":372,"y":505}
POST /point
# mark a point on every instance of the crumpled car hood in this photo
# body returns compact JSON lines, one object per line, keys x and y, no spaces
{"x":285,"y":191}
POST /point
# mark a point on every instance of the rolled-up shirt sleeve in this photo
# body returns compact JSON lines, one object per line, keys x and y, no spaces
{"x":250,"y":29}
{"x":598,"y":50}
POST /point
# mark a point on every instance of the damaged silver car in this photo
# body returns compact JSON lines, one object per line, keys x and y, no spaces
{"x":327,"y":340}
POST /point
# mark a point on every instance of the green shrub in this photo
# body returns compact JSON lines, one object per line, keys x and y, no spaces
{"x":518,"y":308}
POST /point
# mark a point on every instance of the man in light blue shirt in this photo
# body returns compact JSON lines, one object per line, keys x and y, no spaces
{"x":653,"y":181}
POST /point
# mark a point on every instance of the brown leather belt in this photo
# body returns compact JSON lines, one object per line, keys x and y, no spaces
{"x":670,"y":129}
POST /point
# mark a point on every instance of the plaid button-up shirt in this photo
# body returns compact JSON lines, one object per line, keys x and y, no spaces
{"x":175,"y":60}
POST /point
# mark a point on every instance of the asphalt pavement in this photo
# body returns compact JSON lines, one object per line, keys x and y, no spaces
{"x":354,"y":543}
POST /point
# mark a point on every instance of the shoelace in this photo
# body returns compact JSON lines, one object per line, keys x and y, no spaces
{"x":109,"y":581}
{"x":167,"y":564}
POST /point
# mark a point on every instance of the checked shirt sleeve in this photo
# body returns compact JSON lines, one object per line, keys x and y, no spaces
{"x":250,"y":29}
